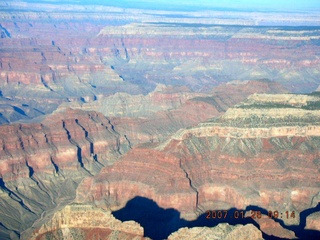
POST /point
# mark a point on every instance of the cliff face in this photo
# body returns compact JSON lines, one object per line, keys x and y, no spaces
{"x":222,"y":231}
{"x":84,"y":56}
{"x":219,"y":166}
{"x":133,"y":112}
{"x":86,"y":222}
{"x":41,"y":164}
{"x":43,"y":160}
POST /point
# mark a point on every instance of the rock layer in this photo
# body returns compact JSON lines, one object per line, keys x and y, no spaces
{"x":60,"y":150}
{"x":192,"y":171}
{"x":41,"y":164}
{"x":84,"y":56}
{"x":86,"y":222}
{"x":222,"y":231}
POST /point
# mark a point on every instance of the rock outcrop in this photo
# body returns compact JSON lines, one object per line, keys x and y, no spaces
{"x":219,"y":166}
{"x":86,"y":55}
{"x":222,"y":231}
{"x":38,"y":157}
{"x":41,"y":164}
{"x":86,"y":222}
{"x":113,"y":104}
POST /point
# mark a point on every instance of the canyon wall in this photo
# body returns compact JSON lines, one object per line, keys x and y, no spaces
{"x":41,"y":164}
{"x":54,"y":56}
{"x":87,"y":222}
{"x":99,"y":105}
{"x":215,"y":166}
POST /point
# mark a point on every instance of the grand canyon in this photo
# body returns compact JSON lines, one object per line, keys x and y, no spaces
{"x":145,"y":122}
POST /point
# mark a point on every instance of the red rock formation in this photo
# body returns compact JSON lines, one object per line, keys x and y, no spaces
{"x":313,"y":222}
{"x":55,"y":142}
{"x":86,"y":222}
{"x":84,"y":57}
{"x":222,"y":231}
{"x":72,"y":144}
{"x":50,"y":58}
{"x":156,"y":116}
{"x":198,"y":169}
{"x":127,"y":179}
{"x":41,"y":164}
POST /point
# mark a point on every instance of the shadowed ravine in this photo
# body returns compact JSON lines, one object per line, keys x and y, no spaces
{"x":159,"y":223}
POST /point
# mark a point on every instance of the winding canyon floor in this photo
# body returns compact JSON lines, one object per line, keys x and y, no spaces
{"x":150,"y":124}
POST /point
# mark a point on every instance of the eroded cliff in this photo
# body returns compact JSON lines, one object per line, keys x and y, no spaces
{"x":215,"y":166}
{"x":41,"y":164}
{"x":54,"y":55}
{"x":86,"y":222}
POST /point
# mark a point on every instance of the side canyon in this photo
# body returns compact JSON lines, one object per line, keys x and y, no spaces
{"x":114,"y":121}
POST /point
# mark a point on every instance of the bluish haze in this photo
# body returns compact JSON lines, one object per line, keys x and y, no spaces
{"x":261,"y":5}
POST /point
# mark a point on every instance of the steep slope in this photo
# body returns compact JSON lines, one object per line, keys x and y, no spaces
{"x":250,"y":156}
{"x":41,"y":164}
{"x":86,"y":222}
{"x":159,"y":114}
{"x":42,"y":161}
{"x":48,"y":54}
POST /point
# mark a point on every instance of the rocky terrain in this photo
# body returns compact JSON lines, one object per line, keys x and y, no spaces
{"x":41,"y":161}
{"x":87,"y":222}
{"x":139,"y":124}
{"x":222,"y":231}
{"x":41,"y":164}
{"x":51,"y":55}
{"x":276,"y":166}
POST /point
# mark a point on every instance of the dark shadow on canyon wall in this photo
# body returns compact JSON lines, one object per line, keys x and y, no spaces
{"x":159,"y":223}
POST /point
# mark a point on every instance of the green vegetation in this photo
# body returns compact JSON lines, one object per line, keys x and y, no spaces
{"x":317,"y":94}
{"x":265,"y":105}
{"x":311,"y":105}
{"x":265,"y":121}
{"x":314,"y":105}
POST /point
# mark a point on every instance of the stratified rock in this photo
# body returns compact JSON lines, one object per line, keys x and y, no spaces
{"x":41,"y":164}
{"x":38,"y":158}
{"x":246,"y":157}
{"x":86,"y":222}
{"x":57,"y":57}
{"x":222,"y":231}
{"x":143,"y":172}
{"x":159,"y":114}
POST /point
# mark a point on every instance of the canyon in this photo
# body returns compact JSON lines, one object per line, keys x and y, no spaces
{"x":77,"y":54}
{"x":125,"y":123}
{"x":275,"y":168}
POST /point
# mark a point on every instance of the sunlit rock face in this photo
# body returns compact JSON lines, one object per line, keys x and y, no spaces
{"x":230,"y":162}
{"x":100,"y":105}
{"x":53,"y":56}
{"x":44,"y":161}
{"x":41,"y":164}
{"x":86,"y":222}
{"x":222,"y":231}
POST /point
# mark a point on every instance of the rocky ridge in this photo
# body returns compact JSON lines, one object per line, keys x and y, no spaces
{"x":222,"y":231}
{"x":44,"y":159}
{"x":276,"y":171}
{"x":95,"y":55}
{"x":86,"y":222}
{"x":43,"y":163}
